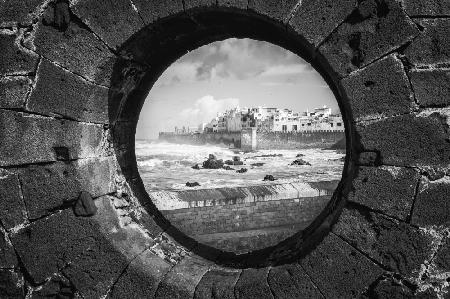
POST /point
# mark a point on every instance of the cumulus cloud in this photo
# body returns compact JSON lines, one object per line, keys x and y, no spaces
{"x":205,"y":109}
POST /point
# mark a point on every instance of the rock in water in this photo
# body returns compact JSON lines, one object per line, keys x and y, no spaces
{"x":228,"y":168}
{"x":299,"y":155}
{"x":300,"y":162}
{"x":259,"y":164}
{"x":242,"y":170}
{"x":269,"y":177}
{"x":196,"y":167}
{"x":85,"y":206}
{"x":213,"y":163}
{"x":194,"y":184}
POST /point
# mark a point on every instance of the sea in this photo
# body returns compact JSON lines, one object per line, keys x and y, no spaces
{"x":168,"y":166}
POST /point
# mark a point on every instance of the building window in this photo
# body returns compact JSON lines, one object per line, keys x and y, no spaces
{"x":339,"y":124}
{"x":284,"y":128}
{"x":294,"y":128}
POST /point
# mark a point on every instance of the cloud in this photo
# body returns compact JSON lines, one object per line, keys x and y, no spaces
{"x":205,"y":109}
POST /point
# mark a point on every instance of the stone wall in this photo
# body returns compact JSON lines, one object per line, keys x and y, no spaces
{"x":280,"y":140}
{"x":73,"y":78}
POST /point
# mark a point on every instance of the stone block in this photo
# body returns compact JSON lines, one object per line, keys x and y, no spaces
{"x":153,"y":10}
{"x":380,"y":90}
{"x":432,"y":206}
{"x":373,"y":30}
{"x":431,"y":87}
{"x":49,"y":187}
{"x":61,"y":93}
{"x":291,"y":281}
{"x":233,"y":3}
{"x":8,"y":259}
{"x":18,"y":12}
{"x":75,"y":244}
{"x":407,"y":140}
{"x":217,"y":283}
{"x":84,"y":206}
{"x":397,"y":245}
{"x":13,"y":211}
{"x":115,"y":22}
{"x":28,"y":138}
{"x":189,"y":4}
{"x":15,"y":59}
{"x":338,"y":269}
{"x":56,"y":287}
{"x":315,"y":20}
{"x":11,"y":284}
{"x":76,"y":49}
{"x":388,"y":189}
{"x":274,"y":9}
{"x":181,"y":280}
{"x":14,"y":91}
{"x":253,"y":284}
{"x":427,"y":8}
{"x":141,"y":278}
{"x":442,"y":259}
{"x":433,"y":45}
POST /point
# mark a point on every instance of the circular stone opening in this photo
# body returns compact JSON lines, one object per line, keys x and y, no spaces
{"x":240,"y":144}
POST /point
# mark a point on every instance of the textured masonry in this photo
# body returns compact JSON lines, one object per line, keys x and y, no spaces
{"x":73,"y":77}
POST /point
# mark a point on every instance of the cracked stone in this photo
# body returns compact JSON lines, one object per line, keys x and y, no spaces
{"x":85,"y":205}
{"x":12,"y":212}
{"x":387,"y":189}
{"x":275,"y":9}
{"x":373,"y":30}
{"x":338,"y":269}
{"x":153,"y":10}
{"x":217,"y":284}
{"x":8,"y":258}
{"x":427,"y":7}
{"x":380,"y":90}
{"x":14,"y":59}
{"x":433,"y":45}
{"x":71,"y":97}
{"x":21,"y":12}
{"x":56,"y":287}
{"x":442,"y":258}
{"x":11,"y":284}
{"x":397,"y":245}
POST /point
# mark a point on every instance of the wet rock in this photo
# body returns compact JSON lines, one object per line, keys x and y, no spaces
{"x":259,"y":164}
{"x":194,"y":184}
{"x":269,"y":177}
{"x":299,"y":155}
{"x":85,"y":205}
{"x":196,"y":167}
{"x":213,"y":163}
{"x":236,"y":161}
{"x":300,"y":162}
{"x":242,"y":170}
{"x":228,"y":168}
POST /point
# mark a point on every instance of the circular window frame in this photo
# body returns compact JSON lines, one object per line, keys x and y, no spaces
{"x":156,"y":47}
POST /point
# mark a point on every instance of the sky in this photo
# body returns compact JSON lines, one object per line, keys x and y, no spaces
{"x":229,"y":73}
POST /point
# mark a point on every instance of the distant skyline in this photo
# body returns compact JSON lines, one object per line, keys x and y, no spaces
{"x":224,"y":74}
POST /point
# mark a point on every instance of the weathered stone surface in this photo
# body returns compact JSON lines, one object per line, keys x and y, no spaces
{"x":368,"y":159}
{"x":315,"y":20}
{"x":387,"y":189}
{"x":290,"y":281}
{"x":394,"y":244}
{"x":431,"y":87}
{"x":233,"y":3}
{"x":442,"y":258}
{"x":389,"y":287}
{"x":114,"y":22}
{"x":58,"y":92}
{"x":427,"y":8}
{"x":30,"y":139}
{"x":15,"y":59}
{"x":18,"y":12}
{"x":76,"y":49}
{"x":253,"y":284}
{"x":56,"y":287}
{"x":49,"y":187}
{"x":379,"y":90}
{"x":407,"y":141}
{"x":217,"y":283}
{"x":14,"y":91}
{"x":141,"y":278}
{"x":75,"y":244}
{"x":85,"y":206}
{"x":275,"y":9}
{"x":433,"y":45}
{"x":189,"y":4}
{"x":11,"y":284}
{"x":373,"y":30}
{"x":339,"y":270}
{"x":181,"y":280}
{"x":8,"y":259}
{"x":432,"y":205}
{"x":12,"y":210}
{"x":152,"y":10}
